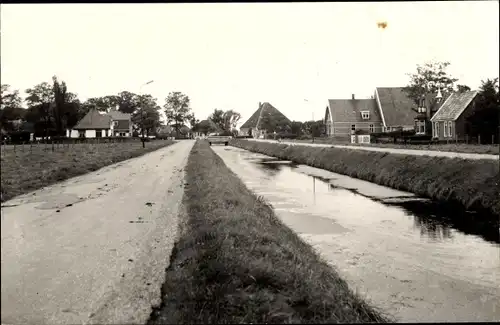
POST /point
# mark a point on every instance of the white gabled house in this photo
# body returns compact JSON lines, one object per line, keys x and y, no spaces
{"x":97,"y":124}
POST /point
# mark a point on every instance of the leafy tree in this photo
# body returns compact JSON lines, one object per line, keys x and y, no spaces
{"x":297,"y":128}
{"x":193,"y":122}
{"x":147,"y":119}
{"x":231,"y":119}
{"x":274,"y":123}
{"x":486,"y":119}
{"x":11,"y":109}
{"x":314,"y":128}
{"x":39,"y":94}
{"x":127,"y":102}
{"x":428,"y":78}
{"x":218,"y":118}
{"x":463,"y":88}
{"x":177,"y":109}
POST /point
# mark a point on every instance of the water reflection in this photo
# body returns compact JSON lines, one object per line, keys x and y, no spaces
{"x":421,"y":261}
{"x":434,"y":220}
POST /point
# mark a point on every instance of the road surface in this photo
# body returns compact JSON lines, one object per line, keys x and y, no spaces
{"x":93,"y":249}
{"x":393,"y":150}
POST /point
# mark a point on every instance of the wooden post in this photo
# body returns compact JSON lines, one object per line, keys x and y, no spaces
{"x":467,"y":139}
{"x":479,"y":139}
{"x":492,"y":139}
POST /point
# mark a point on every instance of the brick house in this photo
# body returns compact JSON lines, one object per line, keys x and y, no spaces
{"x":450,"y":121}
{"x":343,"y":117}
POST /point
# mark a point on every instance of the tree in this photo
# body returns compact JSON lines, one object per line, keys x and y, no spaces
{"x":11,"y":109}
{"x":39,"y":94}
{"x":147,"y":118}
{"x":428,"y":78}
{"x":486,"y":119}
{"x":9,"y":98}
{"x":231,"y":119}
{"x":463,"y":88}
{"x":127,"y":102}
{"x":177,"y":109}
{"x":297,"y":128}
{"x":218,"y":118}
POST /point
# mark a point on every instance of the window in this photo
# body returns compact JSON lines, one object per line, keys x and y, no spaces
{"x":438,"y":133}
{"x":98,"y":134}
{"x":372,"y":128}
{"x":353,"y":128}
{"x":449,"y":129}
{"x":365,"y":115}
{"x":115,"y":123}
{"x":81,"y":133}
{"x":445,"y":130}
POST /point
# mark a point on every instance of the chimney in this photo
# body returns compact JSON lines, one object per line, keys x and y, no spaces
{"x":353,"y":97}
{"x":260,"y":104}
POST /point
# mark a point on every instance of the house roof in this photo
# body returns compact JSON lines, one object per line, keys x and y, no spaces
{"x":94,"y":120}
{"x":349,"y":110}
{"x":454,"y":106}
{"x":395,"y":105}
{"x":265,"y":110}
{"x":117,"y":115}
{"x":122,"y":125}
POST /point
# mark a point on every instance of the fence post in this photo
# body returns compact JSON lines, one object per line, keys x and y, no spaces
{"x":479,"y":139}
{"x":467,"y":139}
{"x":492,"y":139}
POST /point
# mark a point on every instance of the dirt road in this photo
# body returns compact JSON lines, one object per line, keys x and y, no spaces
{"x":392,"y":150}
{"x":93,"y":249}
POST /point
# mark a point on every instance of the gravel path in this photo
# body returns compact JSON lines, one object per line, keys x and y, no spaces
{"x":93,"y":249}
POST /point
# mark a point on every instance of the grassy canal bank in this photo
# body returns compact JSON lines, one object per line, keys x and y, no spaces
{"x":236,"y":262}
{"x":470,"y":184}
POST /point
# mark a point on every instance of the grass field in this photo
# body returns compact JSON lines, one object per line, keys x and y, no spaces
{"x":28,"y":168}
{"x":236,"y":262}
{"x":492,"y":149}
{"x":470,"y":184}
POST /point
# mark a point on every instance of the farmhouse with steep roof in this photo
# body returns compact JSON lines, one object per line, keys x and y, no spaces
{"x":266,"y":119}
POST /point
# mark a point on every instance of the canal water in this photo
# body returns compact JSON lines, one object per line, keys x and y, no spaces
{"x":404,"y":254}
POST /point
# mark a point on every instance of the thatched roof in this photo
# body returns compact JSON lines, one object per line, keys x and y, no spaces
{"x":265,"y":112}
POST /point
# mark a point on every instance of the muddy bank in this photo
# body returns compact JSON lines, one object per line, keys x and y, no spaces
{"x":469,"y":184}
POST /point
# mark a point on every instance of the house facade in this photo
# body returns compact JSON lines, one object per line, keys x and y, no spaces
{"x":97,"y":124}
{"x":450,"y":121}
{"x":265,"y":120}
{"x":346,"y":117}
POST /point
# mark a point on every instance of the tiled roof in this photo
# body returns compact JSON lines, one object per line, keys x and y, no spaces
{"x":349,"y":110}
{"x":396,"y":106}
{"x":269,"y":112}
{"x":454,"y":106}
{"x":94,"y":120}
{"x":122,"y":125}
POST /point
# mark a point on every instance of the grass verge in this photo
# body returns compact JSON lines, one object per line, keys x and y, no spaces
{"x":473,"y":184}
{"x":492,"y":149}
{"x":32,"y":168}
{"x":235,"y":262}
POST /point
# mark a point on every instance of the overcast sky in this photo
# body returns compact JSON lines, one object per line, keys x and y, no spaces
{"x":231,"y":56}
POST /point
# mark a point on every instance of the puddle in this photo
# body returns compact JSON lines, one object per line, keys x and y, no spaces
{"x":417,"y":259}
